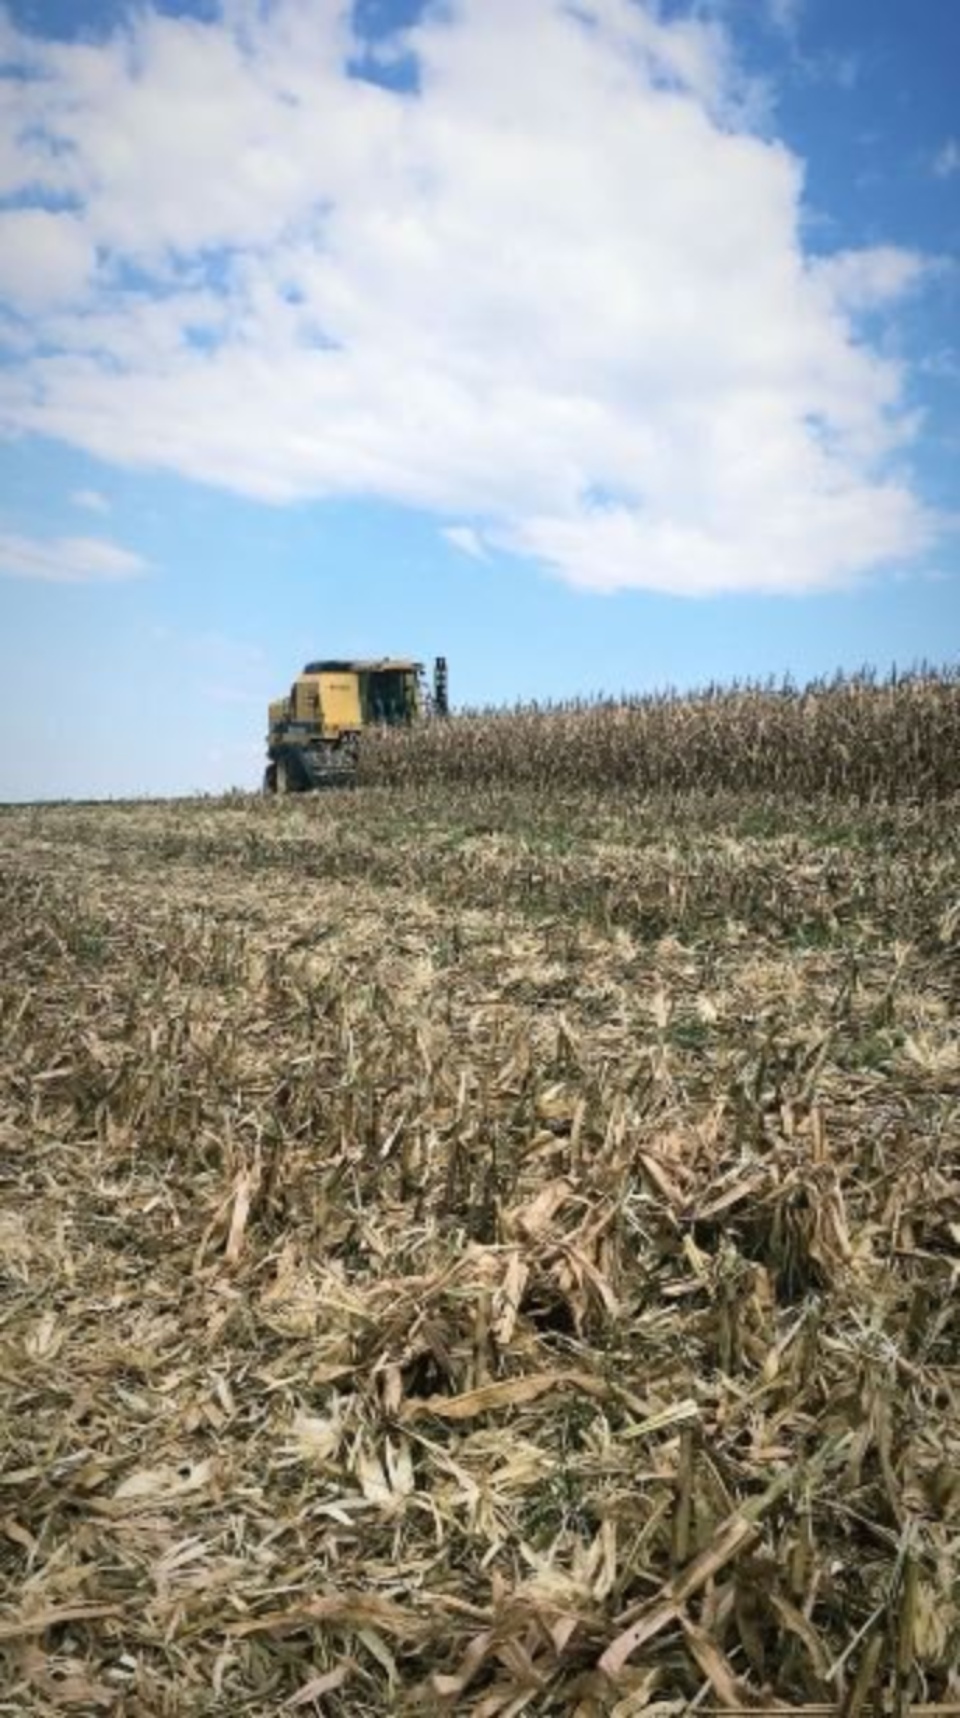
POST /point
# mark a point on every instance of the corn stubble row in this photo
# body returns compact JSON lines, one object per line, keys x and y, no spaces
{"x":486,"y":1249}
{"x":855,"y":738}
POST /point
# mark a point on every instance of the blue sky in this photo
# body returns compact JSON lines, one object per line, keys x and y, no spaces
{"x":599,"y":347}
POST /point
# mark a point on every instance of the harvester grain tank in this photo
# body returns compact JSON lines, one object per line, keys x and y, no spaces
{"x":314,"y":733}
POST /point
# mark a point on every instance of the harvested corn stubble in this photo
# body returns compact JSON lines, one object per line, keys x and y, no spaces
{"x":489,"y":1247}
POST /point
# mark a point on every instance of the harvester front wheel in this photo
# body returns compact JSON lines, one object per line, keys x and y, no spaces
{"x":270,"y":779}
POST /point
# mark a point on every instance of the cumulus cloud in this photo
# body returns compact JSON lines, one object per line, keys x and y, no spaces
{"x":866,"y":279}
{"x":553,"y":279}
{"x":67,"y":560}
{"x":46,"y":258}
{"x":947,"y":160}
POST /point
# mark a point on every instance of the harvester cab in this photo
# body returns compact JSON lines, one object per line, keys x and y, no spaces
{"x":314,"y":733}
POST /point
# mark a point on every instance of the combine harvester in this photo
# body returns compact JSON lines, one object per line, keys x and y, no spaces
{"x":314,"y":734}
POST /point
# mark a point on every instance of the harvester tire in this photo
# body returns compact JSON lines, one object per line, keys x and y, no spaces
{"x":270,"y":779}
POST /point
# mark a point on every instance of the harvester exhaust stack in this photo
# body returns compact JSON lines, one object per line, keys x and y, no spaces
{"x":441,"y":701}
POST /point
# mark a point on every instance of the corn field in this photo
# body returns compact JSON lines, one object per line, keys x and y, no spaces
{"x":857,"y":738}
{"x":488,"y":1248}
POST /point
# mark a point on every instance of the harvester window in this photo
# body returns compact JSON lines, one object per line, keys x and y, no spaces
{"x":386,"y":697}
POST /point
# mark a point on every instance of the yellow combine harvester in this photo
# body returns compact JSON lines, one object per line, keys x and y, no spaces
{"x":315,"y":732}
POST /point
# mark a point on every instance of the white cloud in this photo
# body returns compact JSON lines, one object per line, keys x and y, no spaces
{"x":466,"y":539}
{"x":943,"y":362}
{"x":866,"y":279}
{"x":45,"y":258}
{"x":947,"y":161}
{"x":91,"y":500}
{"x":818,"y":541}
{"x":785,"y":14}
{"x":575,"y":308}
{"x":67,"y":560}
